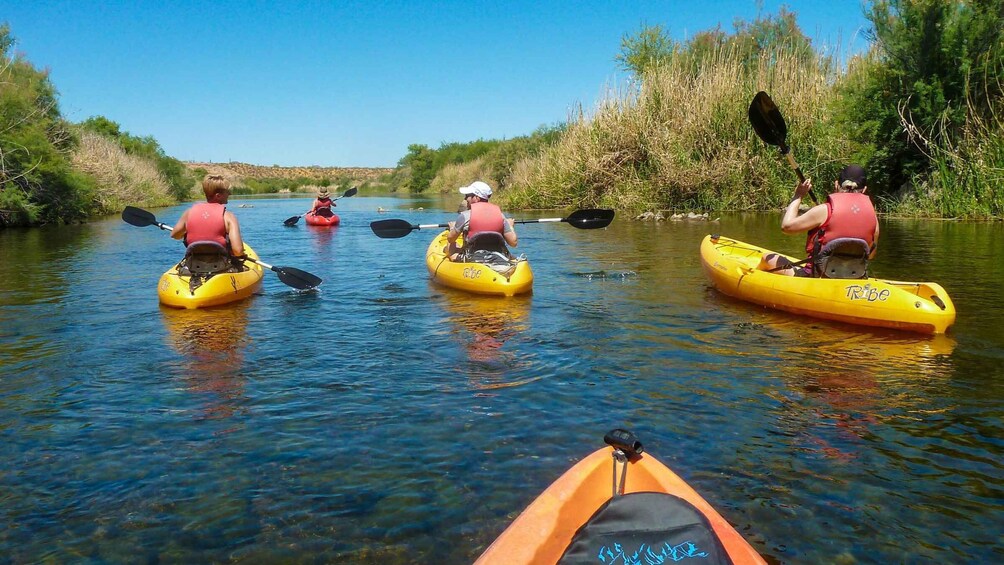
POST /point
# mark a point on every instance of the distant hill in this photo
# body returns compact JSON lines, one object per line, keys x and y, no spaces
{"x":235,"y":171}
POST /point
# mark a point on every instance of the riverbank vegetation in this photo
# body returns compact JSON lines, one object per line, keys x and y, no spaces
{"x":53,"y":171}
{"x":919,"y":109}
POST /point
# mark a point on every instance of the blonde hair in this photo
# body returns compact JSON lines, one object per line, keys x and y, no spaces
{"x":213,"y":184}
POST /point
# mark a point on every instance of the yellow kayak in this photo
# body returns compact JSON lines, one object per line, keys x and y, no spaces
{"x":177,"y":290}
{"x":913,"y":306}
{"x":477,"y":278}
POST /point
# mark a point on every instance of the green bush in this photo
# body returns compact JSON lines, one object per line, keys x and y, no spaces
{"x":925,"y":100}
{"x":37,"y":181}
{"x":179,"y":179}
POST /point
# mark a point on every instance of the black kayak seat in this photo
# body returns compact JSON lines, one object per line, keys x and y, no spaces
{"x":324,"y":212}
{"x":843,"y":258}
{"x":206,"y":258}
{"x":646,"y":527}
{"x":487,"y":241}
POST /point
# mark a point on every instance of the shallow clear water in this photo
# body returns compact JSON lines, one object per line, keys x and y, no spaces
{"x":384,"y":419}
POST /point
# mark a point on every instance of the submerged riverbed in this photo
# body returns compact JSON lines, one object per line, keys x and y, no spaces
{"x":384,"y":419}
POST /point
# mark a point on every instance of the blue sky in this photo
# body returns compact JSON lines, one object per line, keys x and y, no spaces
{"x":347,"y":83}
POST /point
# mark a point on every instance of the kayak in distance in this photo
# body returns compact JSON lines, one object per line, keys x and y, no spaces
{"x":207,"y":276}
{"x":500,"y":275}
{"x":619,"y":505}
{"x":922,"y":307}
{"x":313,"y":219}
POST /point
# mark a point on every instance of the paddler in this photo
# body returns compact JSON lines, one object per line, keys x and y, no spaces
{"x":482,"y":216}
{"x":847,"y":213}
{"x":323,"y":204}
{"x":210,"y":220}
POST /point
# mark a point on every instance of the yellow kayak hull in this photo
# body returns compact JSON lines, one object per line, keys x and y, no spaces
{"x":475,"y":277}
{"x":922,"y":307}
{"x":173,"y":289}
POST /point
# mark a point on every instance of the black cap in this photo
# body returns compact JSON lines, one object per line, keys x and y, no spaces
{"x":854,"y":174}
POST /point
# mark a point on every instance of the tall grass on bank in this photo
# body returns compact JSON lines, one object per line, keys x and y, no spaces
{"x":967,"y":178}
{"x":453,"y":176}
{"x":121,"y":178}
{"x":681,"y":139}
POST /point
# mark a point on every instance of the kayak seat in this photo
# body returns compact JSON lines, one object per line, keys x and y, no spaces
{"x":489,"y":241}
{"x":489,"y":248}
{"x":324,"y":212}
{"x":205,"y":258}
{"x":843,"y":258}
{"x":645,"y":527}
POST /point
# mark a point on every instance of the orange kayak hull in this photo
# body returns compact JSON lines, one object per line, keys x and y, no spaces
{"x":544,"y":530}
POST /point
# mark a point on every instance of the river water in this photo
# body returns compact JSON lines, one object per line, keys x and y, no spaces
{"x":383,"y":419}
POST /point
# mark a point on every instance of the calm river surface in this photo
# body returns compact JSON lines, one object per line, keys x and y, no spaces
{"x":383,"y":419}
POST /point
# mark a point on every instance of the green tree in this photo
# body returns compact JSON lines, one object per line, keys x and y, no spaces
{"x":934,"y":70}
{"x":764,"y":35}
{"x":420,"y":162}
{"x":647,"y":48}
{"x":37,"y":182}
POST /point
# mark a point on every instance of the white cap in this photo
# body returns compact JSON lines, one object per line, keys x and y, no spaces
{"x":477,"y":188}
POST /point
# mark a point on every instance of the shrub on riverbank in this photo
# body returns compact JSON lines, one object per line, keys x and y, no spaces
{"x":179,"y":180}
{"x":679,"y":137}
{"x":458,"y":164}
{"x":920,"y":111}
{"x":37,"y":181}
{"x":121,"y":178}
{"x":926,"y":100}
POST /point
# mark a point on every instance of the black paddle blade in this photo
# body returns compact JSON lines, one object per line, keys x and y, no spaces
{"x":590,"y":219}
{"x":391,"y":229}
{"x":296,"y":278}
{"x":138,"y":217}
{"x":767,"y":121}
{"x":290,"y":222}
{"x":350,"y":192}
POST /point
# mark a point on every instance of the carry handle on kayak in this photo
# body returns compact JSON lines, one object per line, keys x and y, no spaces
{"x":626,"y":448}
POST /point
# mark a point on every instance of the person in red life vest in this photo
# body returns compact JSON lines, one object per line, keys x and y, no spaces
{"x":210,"y":220}
{"x":323,"y":203}
{"x":483,"y":216}
{"x":847,"y":213}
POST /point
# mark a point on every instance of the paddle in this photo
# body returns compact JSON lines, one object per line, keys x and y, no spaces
{"x":295,"y":278}
{"x":768,"y":123}
{"x":290,"y":222}
{"x":588,"y":219}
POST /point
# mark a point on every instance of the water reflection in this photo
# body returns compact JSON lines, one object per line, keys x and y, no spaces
{"x":211,"y":344}
{"x":842,"y":386}
{"x":321,"y":236}
{"x":483,"y":325}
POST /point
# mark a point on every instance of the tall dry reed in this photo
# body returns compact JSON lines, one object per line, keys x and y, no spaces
{"x":681,"y":139}
{"x":122,"y":179}
{"x":455,"y":175}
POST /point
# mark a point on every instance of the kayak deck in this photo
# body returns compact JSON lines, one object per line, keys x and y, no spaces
{"x":552,"y":524}
{"x":922,"y":307}
{"x":174,"y":289}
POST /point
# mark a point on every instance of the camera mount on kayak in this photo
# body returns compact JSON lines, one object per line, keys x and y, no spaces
{"x":626,"y":448}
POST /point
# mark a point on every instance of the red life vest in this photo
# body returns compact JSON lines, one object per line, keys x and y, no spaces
{"x":485,"y":217}
{"x":205,"y":223}
{"x":324,"y":203}
{"x":848,"y":214}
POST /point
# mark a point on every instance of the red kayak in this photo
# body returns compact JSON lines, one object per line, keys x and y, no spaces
{"x":318,"y":220}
